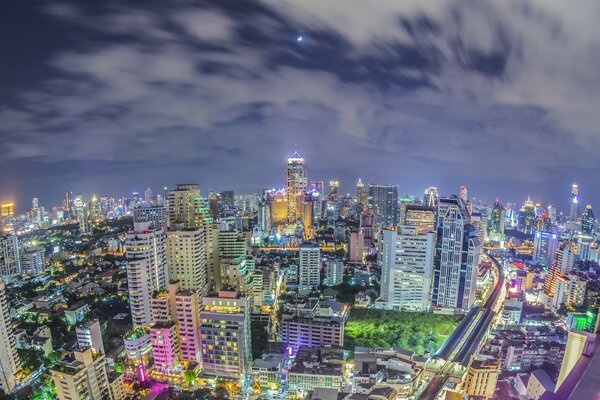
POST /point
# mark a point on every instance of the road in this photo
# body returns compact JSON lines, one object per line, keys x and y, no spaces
{"x":467,"y":337}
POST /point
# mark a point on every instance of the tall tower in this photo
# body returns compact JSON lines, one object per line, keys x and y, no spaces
{"x":431,"y":197}
{"x":10,"y":259}
{"x":295,"y":184}
{"x":457,"y":256}
{"x":463,"y":194}
{"x":309,"y":268}
{"x":361,"y":194}
{"x":384,"y":202}
{"x":562,"y":264}
{"x":187,"y":207}
{"x":186,"y":259}
{"x":574,"y":203}
{"x":146,"y":270}
{"x":9,"y":360}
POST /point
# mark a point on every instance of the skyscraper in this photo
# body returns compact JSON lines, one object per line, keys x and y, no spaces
{"x":407,"y":265}
{"x":421,"y":217}
{"x":81,"y":374}
{"x":9,"y":360}
{"x":81,"y":213}
{"x":146,"y":270}
{"x":562,"y":264}
{"x":295,"y":184}
{"x":457,"y":256}
{"x":187,"y":207}
{"x":156,"y":215}
{"x":496,"y":223}
{"x":574,"y":203}
{"x":431,"y":197}
{"x":334,"y":186}
{"x":186,"y":258}
{"x":384,"y":202}
{"x":309,"y":268}
{"x":544,"y":247}
{"x":588,"y":221}
{"x":463,"y":194}
{"x":362,"y":197}
{"x":527,"y":217}
{"x":10,"y":259}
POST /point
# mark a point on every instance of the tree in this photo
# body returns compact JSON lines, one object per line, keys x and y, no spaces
{"x":190,"y":377}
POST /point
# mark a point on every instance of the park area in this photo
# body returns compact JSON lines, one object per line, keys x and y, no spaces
{"x":417,"y":331}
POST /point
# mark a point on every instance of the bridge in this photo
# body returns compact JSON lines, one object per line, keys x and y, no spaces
{"x":466,"y":338}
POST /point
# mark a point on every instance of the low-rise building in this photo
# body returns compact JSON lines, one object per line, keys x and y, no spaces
{"x":266,"y":371}
{"x":316,"y":368}
{"x":481,"y":377}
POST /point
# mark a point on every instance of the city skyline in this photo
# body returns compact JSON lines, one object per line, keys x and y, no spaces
{"x":410,"y":94}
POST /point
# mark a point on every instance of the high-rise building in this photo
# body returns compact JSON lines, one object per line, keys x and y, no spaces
{"x":334,"y":273}
{"x":367,"y":219}
{"x":334,"y":186}
{"x":562,"y":264}
{"x":187,"y":311}
{"x":356,"y":247}
{"x":147,"y":270}
{"x":496,"y":223}
{"x":407,"y":265}
{"x":227,"y":200}
{"x":187,"y":207}
{"x":457,"y":256}
{"x":68,"y":202}
{"x":89,"y":334}
{"x":362,"y":197}
{"x":588,"y":221}
{"x":570,"y":291}
{"x":186,"y":258}
{"x":544,"y":247}
{"x":295,"y":184}
{"x":421,"y":217}
{"x":10,"y":259}
{"x":9,"y":360}
{"x":431,"y":197}
{"x":81,"y":213}
{"x":463,"y":194}
{"x":157,"y":215}
{"x":481,"y":377}
{"x":574,"y":213}
{"x":309,"y":267}
{"x":225,"y":335}
{"x":32,"y":261}
{"x":527,"y":217}
{"x":7,"y":210}
{"x":384,"y":202}
{"x":81,"y":374}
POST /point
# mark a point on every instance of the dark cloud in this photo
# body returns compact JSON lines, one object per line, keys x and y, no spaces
{"x":107,"y":97}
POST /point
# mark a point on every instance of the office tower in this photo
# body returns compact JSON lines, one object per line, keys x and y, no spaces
{"x":574,"y":213}
{"x":496,"y":223}
{"x":431,"y":197}
{"x":35,"y":209}
{"x":186,"y":258}
{"x":227,"y":200}
{"x":305,"y":209}
{"x":81,"y":374}
{"x":544,"y":247}
{"x":356,"y":247}
{"x":527,"y":217}
{"x":463,"y":194}
{"x":334,"y":186}
{"x":81,"y":213}
{"x":457,"y":256}
{"x":295,"y":185}
{"x":406,"y":269}
{"x":10,"y":364}
{"x":32,"y":261}
{"x":68,"y":202}
{"x":148,"y":195}
{"x":362,"y":197}
{"x":384,"y":202}
{"x":481,"y":377}
{"x":334,"y":273}
{"x":156,"y":215}
{"x":146,"y":269}
{"x":94,"y":208}
{"x":278,"y":206}
{"x":225,"y":334}
{"x":187,"y":207}
{"x":89,"y":334}
{"x":367,"y":219}
{"x":421,"y":217}
{"x":264,"y":217}
{"x":10,"y":259}
{"x":309,"y":267}
{"x":588,"y":222}
{"x":7,"y":210}
{"x":105,"y":205}
{"x":562,"y":264}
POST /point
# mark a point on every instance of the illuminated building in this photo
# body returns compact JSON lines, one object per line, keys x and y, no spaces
{"x":334,"y":186}
{"x":356,"y":247}
{"x":569,"y":292}
{"x":544,"y":247}
{"x":334,"y":273}
{"x":10,"y":259}
{"x":186,"y":258}
{"x":90,"y":335}
{"x":588,"y":222}
{"x":81,"y":213}
{"x":431,"y":197}
{"x":116,"y":385}
{"x":309,"y":268}
{"x":166,"y":349}
{"x":562,"y":264}
{"x":187,"y":309}
{"x":295,"y":185}
{"x":316,"y":368}
{"x":305,"y":214}
{"x":383,"y":200}
{"x":156,"y":215}
{"x":187,"y":207}
{"x":32,"y":261}
{"x":481,"y":377}
{"x":68,"y":202}
{"x":362,"y":197}
{"x":581,"y":321}
{"x":367,"y":219}
{"x":421,"y":217}
{"x":463,"y":194}
{"x":10,"y":364}
{"x":579,"y":344}
{"x":81,"y":374}
{"x":279,"y":209}
{"x":225,"y":334}
{"x":527,"y":217}
{"x":407,"y":265}
{"x":7,"y":210}
{"x":496,"y":223}
{"x":574,"y":213}
{"x":146,"y":269}
{"x":457,"y":256}
{"x":227,"y":200}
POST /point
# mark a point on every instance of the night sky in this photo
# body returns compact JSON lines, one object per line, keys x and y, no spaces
{"x":110,"y":97}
